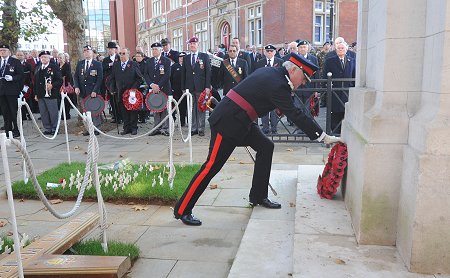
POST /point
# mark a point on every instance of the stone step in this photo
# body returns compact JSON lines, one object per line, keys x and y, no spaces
{"x":324,"y":242}
{"x":78,"y":266}
{"x":266,"y":247}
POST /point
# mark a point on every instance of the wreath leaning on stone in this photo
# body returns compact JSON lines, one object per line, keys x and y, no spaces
{"x":332,"y":174}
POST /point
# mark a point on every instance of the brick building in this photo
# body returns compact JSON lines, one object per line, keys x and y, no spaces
{"x":255,"y":22}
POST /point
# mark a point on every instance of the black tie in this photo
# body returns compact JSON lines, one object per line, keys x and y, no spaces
{"x":3,"y":66}
{"x":232,"y":63}
{"x":87,"y":66}
{"x":342,"y":63}
{"x":268,"y":63}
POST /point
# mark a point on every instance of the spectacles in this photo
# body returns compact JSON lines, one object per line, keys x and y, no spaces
{"x":122,"y":53}
{"x":231,"y":50}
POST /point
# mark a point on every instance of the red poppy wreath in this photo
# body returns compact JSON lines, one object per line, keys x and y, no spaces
{"x":132,"y":99}
{"x":332,"y":174}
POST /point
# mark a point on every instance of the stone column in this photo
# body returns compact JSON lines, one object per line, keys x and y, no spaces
{"x":389,"y":71}
{"x":424,"y":209}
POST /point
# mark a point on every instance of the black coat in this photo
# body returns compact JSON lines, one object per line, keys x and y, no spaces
{"x":227,"y":79}
{"x":66,"y":73}
{"x":88,"y":81}
{"x":254,"y":59}
{"x":26,"y":73}
{"x":172,"y":55}
{"x":243,"y":55}
{"x":265,"y":90}
{"x":14,"y":68}
{"x":198,"y":77}
{"x":54,"y":73}
{"x":159,"y":74}
{"x":277,"y":62}
{"x":334,"y":66}
{"x":122,"y":80}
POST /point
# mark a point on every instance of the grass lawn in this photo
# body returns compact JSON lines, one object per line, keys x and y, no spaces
{"x":129,"y":182}
{"x":115,"y":248}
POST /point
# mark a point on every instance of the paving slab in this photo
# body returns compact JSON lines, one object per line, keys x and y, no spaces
{"x":155,"y":268}
{"x":193,"y":269}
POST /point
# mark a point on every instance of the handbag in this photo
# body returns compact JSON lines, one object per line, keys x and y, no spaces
{"x":67,"y":89}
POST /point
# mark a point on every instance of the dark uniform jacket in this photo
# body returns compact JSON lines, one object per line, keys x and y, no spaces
{"x":159,"y":73}
{"x":175,"y":79}
{"x":14,"y":68}
{"x":66,"y":73}
{"x":265,"y":90}
{"x":277,"y":62}
{"x":53,"y":72}
{"x":26,"y":73}
{"x":334,"y":66}
{"x":122,"y":80}
{"x":88,"y":81}
{"x":227,"y":79}
{"x":197,"y":77}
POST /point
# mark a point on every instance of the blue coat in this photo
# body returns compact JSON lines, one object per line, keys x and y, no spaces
{"x":88,"y":81}
{"x":160,"y":74}
{"x":196,"y":77}
{"x":333,"y":65}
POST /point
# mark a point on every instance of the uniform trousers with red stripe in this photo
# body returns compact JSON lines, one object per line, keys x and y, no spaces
{"x":220,"y":149}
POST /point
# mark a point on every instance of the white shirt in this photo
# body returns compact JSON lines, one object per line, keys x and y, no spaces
{"x":112,"y":57}
{"x":44,"y":66}
{"x":233,"y":61}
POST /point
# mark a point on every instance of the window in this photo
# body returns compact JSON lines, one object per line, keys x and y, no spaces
{"x":141,"y":11}
{"x":156,"y":8}
{"x":254,"y":25}
{"x":321,"y":21}
{"x":156,"y":38}
{"x":177,"y":39}
{"x":175,"y":4}
{"x":201,"y":32}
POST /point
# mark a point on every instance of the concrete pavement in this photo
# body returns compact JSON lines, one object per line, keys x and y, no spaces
{"x":308,"y":237}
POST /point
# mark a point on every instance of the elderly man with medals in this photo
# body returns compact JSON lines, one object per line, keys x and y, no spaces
{"x":232,"y":70}
{"x":88,"y":80}
{"x":48,"y":81}
{"x":233,"y":124}
{"x":157,"y":75}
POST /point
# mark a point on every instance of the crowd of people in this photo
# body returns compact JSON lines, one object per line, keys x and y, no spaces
{"x":40,"y":77}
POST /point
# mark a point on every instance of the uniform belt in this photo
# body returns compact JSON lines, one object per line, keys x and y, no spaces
{"x":241,"y":102}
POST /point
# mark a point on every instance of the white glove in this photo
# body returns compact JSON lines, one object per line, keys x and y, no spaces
{"x":332,"y":139}
{"x":8,"y":78}
{"x":25,"y":88}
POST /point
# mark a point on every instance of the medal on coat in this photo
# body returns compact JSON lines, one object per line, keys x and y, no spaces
{"x":200,"y":62}
{"x":161,"y":69}
{"x":240,"y":70}
{"x":93,"y":72}
{"x":11,"y":69}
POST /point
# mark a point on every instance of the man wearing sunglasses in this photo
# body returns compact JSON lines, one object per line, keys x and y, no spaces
{"x":232,"y":70}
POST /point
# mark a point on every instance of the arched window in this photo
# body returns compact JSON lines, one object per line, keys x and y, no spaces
{"x":225,"y":34}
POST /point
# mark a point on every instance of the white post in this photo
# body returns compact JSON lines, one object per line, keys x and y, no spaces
{"x":63,"y":97}
{"x":11,"y":203}
{"x":189,"y":109}
{"x":22,"y":138}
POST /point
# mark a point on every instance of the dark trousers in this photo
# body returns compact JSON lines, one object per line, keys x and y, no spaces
{"x":9,"y":106}
{"x":220,"y":149}
{"x":130,"y":118}
{"x":336,"y":119}
{"x":115,"y":107}
{"x":182,"y":106}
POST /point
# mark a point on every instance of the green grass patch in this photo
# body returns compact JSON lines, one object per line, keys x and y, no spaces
{"x":115,"y":248}
{"x":7,"y":242}
{"x":128,"y":182}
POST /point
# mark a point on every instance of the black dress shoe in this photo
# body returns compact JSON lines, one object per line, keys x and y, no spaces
{"x":96,"y":132}
{"x":194,"y":132}
{"x":86,"y":133}
{"x":266,"y":203}
{"x":2,"y":128}
{"x":16,"y":134}
{"x":125,"y":132}
{"x":201,"y":133}
{"x":47,"y":132}
{"x":134,"y":132}
{"x":190,"y":220}
{"x":165,"y":133}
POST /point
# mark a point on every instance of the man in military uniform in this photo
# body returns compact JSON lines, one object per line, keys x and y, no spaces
{"x":48,"y":81}
{"x":255,"y":56}
{"x":232,"y":124}
{"x":125,"y":75}
{"x":243,"y":54}
{"x":157,"y":75}
{"x":196,"y":78}
{"x":11,"y":83}
{"x":175,"y":82}
{"x":270,"y":61}
{"x":26,"y":90}
{"x":232,"y":70}
{"x":88,"y":80}
{"x":107,"y":65}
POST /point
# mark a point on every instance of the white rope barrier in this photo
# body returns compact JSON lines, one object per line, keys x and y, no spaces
{"x":11,"y":202}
